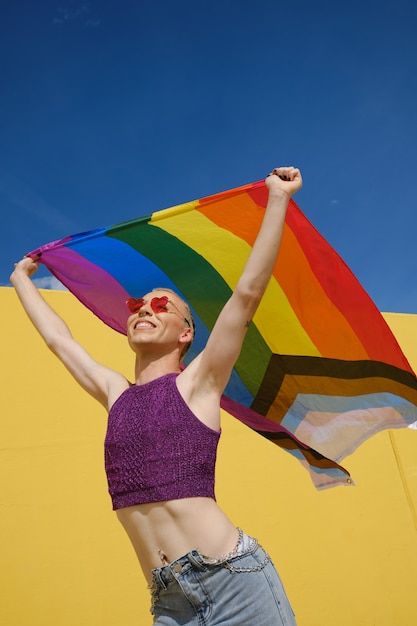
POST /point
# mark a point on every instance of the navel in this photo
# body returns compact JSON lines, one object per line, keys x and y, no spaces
{"x":163,"y":557}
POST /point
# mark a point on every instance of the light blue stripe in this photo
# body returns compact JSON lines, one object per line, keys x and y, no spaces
{"x":341,"y":404}
{"x":337,"y":476}
{"x":342,"y":434}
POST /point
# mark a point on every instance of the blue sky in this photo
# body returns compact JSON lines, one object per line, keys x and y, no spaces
{"x":112,"y":110}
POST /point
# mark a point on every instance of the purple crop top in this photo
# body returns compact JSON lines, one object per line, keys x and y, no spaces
{"x":156,"y":448}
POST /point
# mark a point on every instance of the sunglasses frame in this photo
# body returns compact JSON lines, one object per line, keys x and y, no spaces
{"x":158,"y":305}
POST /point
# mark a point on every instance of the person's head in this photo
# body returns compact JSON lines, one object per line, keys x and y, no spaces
{"x":161,"y":319}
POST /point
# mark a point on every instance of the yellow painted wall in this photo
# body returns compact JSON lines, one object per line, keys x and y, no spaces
{"x":347,"y":556}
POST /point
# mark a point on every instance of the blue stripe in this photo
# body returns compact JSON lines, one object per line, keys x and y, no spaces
{"x":138,"y":275}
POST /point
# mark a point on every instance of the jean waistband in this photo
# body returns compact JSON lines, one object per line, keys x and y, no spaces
{"x":162,"y":575}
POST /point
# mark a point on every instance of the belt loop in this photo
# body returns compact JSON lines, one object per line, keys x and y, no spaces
{"x":195,"y":561}
{"x":159,"y":578}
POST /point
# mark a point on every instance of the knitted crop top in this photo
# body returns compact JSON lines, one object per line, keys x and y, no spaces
{"x":156,"y":448}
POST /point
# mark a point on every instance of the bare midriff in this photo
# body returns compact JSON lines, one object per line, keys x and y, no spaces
{"x":161,"y":532}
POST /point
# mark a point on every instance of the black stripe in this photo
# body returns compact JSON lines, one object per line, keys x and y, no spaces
{"x":281,"y":365}
{"x":314,"y":458}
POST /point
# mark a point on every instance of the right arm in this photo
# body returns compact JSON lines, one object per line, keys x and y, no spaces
{"x":95,"y":378}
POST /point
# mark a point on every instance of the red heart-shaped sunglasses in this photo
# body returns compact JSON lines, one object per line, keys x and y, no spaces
{"x":158,"y":305}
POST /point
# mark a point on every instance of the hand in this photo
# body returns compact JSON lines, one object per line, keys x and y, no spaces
{"x":284,"y":180}
{"x":26,"y":265}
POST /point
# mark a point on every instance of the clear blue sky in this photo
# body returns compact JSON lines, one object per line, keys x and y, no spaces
{"x":110,"y":110}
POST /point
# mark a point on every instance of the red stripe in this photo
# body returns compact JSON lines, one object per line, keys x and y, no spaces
{"x":342,"y":287}
{"x":326,"y":326}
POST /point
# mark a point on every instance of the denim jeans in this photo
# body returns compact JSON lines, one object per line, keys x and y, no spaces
{"x":242,"y":588}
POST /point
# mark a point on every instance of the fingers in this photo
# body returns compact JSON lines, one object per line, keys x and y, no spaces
{"x":286,"y":173}
{"x":286,"y":179}
{"x":28,"y":262}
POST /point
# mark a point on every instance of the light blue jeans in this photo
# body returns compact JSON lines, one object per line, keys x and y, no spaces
{"x":242,"y":588}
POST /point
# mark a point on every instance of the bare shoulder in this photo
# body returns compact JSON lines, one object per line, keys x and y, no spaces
{"x":203,"y":400}
{"x":188,"y":380}
{"x":117,"y":384}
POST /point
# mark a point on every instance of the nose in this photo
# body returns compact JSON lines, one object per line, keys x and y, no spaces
{"x":144,"y":310}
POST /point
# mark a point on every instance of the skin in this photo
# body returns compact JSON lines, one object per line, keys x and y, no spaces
{"x":161,"y":532}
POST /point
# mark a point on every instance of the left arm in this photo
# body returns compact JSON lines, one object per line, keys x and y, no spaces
{"x":212,"y":368}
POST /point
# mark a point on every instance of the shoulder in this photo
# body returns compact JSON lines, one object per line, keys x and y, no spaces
{"x":187,"y":381}
{"x":196,"y":380}
{"x":117,"y":384}
{"x":193,"y":384}
{"x":202,"y":400}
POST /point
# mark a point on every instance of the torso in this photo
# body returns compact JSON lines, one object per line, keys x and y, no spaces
{"x":161,"y":532}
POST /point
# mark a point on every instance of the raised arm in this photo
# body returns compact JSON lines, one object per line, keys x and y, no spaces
{"x":95,"y":378}
{"x":212,"y":367}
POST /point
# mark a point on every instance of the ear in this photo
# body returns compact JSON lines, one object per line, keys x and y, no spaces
{"x":186,"y":335}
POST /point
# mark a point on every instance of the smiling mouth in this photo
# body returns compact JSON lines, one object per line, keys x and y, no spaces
{"x":143,"y":324}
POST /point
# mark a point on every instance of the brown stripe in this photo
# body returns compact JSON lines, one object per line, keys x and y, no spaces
{"x":314,"y":458}
{"x":321,"y":370}
{"x":293,"y":385}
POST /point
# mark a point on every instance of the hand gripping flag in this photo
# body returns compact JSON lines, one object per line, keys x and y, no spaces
{"x":320,"y":370}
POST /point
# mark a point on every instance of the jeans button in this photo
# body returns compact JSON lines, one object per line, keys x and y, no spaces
{"x":177,"y":567}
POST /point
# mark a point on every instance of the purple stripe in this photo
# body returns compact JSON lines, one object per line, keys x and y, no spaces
{"x":47,"y":246}
{"x":93,"y":286}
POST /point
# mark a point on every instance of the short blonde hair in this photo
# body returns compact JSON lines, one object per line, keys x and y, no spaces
{"x":187,"y":345}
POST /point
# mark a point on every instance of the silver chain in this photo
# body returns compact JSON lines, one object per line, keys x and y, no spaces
{"x":209,"y":560}
{"x":257,"y":568}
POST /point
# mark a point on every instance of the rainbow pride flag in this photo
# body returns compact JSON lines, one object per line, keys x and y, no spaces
{"x":320,"y":370}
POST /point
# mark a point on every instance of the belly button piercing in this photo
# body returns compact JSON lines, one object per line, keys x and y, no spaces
{"x":162,"y":556}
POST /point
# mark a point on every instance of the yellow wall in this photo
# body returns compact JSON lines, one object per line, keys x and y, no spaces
{"x":347,"y":556}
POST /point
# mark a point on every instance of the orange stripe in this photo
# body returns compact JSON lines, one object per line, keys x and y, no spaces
{"x":327,"y":328}
{"x":323,"y":321}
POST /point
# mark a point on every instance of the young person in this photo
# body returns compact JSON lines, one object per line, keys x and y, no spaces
{"x":162,"y":436}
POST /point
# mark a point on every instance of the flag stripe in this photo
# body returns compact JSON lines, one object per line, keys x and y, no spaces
{"x":320,"y":370}
{"x":289,"y":375}
{"x":227,"y":253}
{"x":327,"y":328}
{"x":294,"y":385}
{"x":343,"y":288}
{"x":204,"y":288}
{"x":347,"y":294}
{"x":93,"y":286}
{"x":116,"y":256}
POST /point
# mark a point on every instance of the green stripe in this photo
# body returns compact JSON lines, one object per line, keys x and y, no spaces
{"x":203,"y":286}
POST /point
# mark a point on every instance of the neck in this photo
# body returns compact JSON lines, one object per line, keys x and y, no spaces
{"x":149,"y":367}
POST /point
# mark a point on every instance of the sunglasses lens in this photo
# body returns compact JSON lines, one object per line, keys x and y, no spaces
{"x":159,"y":304}
{"x":134,"y":304}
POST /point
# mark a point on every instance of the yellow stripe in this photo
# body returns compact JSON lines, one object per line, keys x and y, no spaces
{"x":174,"y":210}
{"x":227,"y":253}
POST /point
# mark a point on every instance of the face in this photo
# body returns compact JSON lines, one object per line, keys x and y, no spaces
{"x":159,"y":320}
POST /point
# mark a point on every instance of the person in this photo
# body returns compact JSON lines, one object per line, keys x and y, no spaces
{"x":162,"y":435}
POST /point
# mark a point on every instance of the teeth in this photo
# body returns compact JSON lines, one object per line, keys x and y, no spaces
{"x":144,"y":325}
